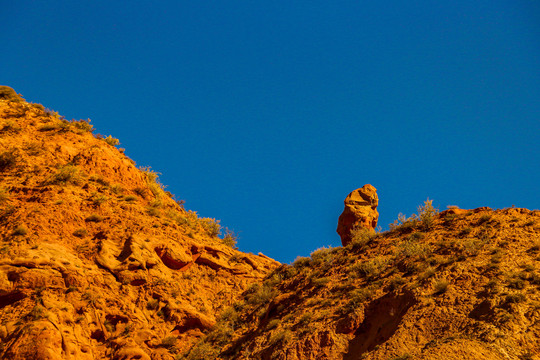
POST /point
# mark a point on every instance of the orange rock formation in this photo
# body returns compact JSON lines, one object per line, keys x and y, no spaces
{"x":360,"y":210}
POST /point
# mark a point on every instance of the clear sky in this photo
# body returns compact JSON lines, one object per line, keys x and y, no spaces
{"x":266,"y":114}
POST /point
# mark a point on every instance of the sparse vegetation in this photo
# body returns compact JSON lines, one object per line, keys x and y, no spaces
{"x":152,"y":181}
{"x":82,"y":125}
{"x":493,"y":286}
{"x":61,"y":125}
{"x":33,"y":148}
{"x":426,"y":217}
{"x":20,"y":230}
{"x":403,"y":357}
{"x":396,"y":282}
{"x":229,"y":238}
{"x":81,"y":232}
{"x":371,"y":268}
{"x":409,"y":249}
{"x":440,"y":286}
{"x":427,"y":274}
{"x":416,"y":236}
{"x":466,"y":231}
{"x":404,"y":224}
{"x":38,"y":312}
{"x":156,"y":203}
{"x":515,"y":298}
{"x":169,"y":342}
{"x":99,"y":179}
{"x":111,"y":141}
{"x":427,"y":213}
{"x":517,"y":283}
{"x":220,"y":334}
{"x":211,"y":226}
{"x":94,"y":218}
{"x":360,"y":237}
{"x":10,"y":126}
{"x":85,"y":249}
{"x":322,"y":255}
{"x":449,"y":219}
{"x":7,"y":93}
{"x":202,"y":351}
{"x":484,"y":219}
{"x":152,"y":304}
{"x":116,"y":189}
{"x":153,"y":211}
{"x":301,"y":262}
{"x":272,"y":324}
{"x":357,"y":297}
{"x":49,"y":126}
{"x":282,"y":336}
{"x":259,"y":294}
{"x":68,"y":174}
{"x":140,"y":191}
{"x":8,"y":159}
{"x":4,"y":195}
{"x":230,"y":314}
{"x":529,"y":223}
{"x":98,"y":199}
{"x":320,"y":282}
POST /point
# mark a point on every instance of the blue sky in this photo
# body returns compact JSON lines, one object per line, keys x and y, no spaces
{"x":267,"y":114}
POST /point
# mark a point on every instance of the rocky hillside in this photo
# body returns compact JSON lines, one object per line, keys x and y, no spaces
{"x":460,"y":284}
{"x":97,"y":261}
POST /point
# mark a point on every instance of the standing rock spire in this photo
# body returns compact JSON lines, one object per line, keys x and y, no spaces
{"x":360,"y":210}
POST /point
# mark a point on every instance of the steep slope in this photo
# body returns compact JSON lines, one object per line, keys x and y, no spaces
{"x":96,"y":260}
{"x":456,"y":285}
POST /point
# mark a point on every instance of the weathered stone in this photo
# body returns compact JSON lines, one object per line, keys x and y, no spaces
{"x":360,"y":210}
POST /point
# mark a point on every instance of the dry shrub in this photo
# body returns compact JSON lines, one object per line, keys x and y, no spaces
{"x":281,"y":337}
{"x":410,"y":249}
{"x":211,"y":226}
{"x":427,"y":214}
{"x":322,"y":255}
{"x":360,"y":237}
{"x":82,"y":125}
{"x":111,"y":141}
{"x":440,"y":286}
{"x":404,"y":224}
{"x":371,"y":268}
{"x":301,"y":262}
{"x":229,"y":238}
{"x":4,"y":195}
{"x":68,"y":174}
{"x":8,"y":159}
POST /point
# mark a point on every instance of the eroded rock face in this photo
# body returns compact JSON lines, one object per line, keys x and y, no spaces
{"x":360,"y":210}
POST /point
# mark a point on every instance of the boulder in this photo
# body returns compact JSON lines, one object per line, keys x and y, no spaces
{"x":360,"y":210}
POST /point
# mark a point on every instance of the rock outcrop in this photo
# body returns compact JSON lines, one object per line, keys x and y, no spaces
{"x":360,"y":210}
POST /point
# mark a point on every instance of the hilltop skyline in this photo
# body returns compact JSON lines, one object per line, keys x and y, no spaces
{"x":267,"y":116}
